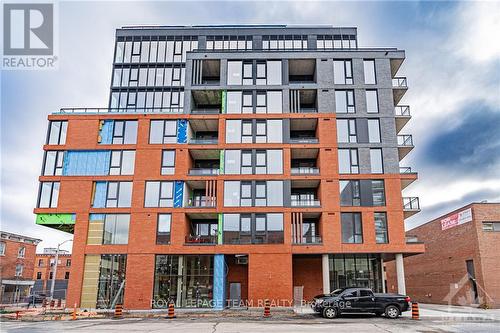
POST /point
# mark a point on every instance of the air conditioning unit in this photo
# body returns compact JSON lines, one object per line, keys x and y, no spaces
{"x":242,"y":260}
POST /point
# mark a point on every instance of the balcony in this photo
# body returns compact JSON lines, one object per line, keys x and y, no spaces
{"x":399,"y":88}
{"x":305,"y":203}
{"x":405,"y":145}
{"x":407,"y":176}
{"x":204,"y":172}
{"x":201,"y":240}
{"x":303,"y":101}
{"x":411,"y":206}
{"x":204,"y":162}
{"x":206,"y":72}
{"x":206,"y":101}
{"x":303,"y":130}
{"x":304,"y":140}
{"x":305,"y":171}
{"x":307,"y":240}
{"x":201,"y":193}
{"x":402,"y":113}
{"x":203,"y":131}
{"x":206,"y":111}
{"x":301,"y":71}
{"x":201,"y":202}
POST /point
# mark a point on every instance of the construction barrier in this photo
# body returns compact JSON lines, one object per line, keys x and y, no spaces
{"x":52,"y":303}
{"x":17,"y":315}
{"x":73,"y":314}
{"x":414,"y":311}
{"x":59,"y":303}
{"x":44,"y":303}
{"x":118,"y":311}
{"x":267,"y":309}
{"x":171,"y":311}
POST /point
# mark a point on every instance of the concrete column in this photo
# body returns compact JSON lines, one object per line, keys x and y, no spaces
{"x":326,"y":274}
{"x":383,"y":274}
{"x":400,"y":273}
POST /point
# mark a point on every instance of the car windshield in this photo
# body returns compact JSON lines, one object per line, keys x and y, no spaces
{"x":337,"y":292}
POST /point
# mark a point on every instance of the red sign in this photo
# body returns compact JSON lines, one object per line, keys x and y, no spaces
{"x":456,"y":219}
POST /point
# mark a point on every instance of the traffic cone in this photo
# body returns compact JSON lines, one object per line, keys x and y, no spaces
{"x":171,"y":310}
{"x":118,"y":311}
{"x":73,"y":314}
{"x":414,"y":311}
{"x":267,"y":309}
{"x":59,"y":303}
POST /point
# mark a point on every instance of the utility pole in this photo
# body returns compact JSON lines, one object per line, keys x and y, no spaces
{"x":54,"y":269}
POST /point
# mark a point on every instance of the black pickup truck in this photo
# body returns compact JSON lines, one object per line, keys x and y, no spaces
{"x":360,"y":300}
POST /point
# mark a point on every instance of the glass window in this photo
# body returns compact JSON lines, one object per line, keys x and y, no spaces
{"x":273,"y":72}
{"x":274,"y":102}
{"x":352,"y":231}
{"x":246,"y":194}
{"x":231,"y":193}
{"x":246,"y":162}
{"x":120,"y":46}
{"x":232,"y":164}
{"x":124,"y":132}
{"x":261,"y":102}
{"x":274,"y":131}
{"x":260,"y":194}
{"x":369,"y":68}
{"x":247,"y":73}
{"x":261,"y":73}
{"x":344,"y":101}
{"x":168,"y":162}
{"x":350,"y":193}
{"x":234,"y":71}
{"x":19,"y":270}
{"x":49,"y":195}
{"x":381,"y":236}
{"x":57,"y":132}
{"x":348,"y":161}
{"x":163,"y":230}
{"x":378,"y":191}
{"x":246,"y":131}
{"x":112,"y":273}
{"x":53,"y":163}
{"x":274,"y":193}
{"x":491,"y":226}
{"x":342,"y":72}
{"x":373,"y":131}
{"x":116,"y":229}
{"x":21,"y":252}
{"x":376,"y":161}
{"x":261,"y":131}
{"x":163,"y":131}
{"x":159,"y":194}
{"x":247,"y":102}
{"x":119,"y":194}
{"x":234,"y":102}
{"x":260,"y":162}
{"x":122,"y":162}
{"x":346,"y":131}
{"x":371,"y":101}
{"x":275,"y":161}
{"x":2,"y":248}
{"x":233,"y":131}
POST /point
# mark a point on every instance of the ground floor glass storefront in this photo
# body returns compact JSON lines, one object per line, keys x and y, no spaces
{"x":355,"y":270}
{"x":111,"y":285}
{"x":186,"y":280}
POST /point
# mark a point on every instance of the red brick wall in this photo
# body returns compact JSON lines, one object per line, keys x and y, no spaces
{"x":307,"y":272}
{"x":45,"y":268}
{"x":9,"y":261}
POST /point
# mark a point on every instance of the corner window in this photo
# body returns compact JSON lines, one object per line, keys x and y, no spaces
{"x":163,"y":229}
{"x":48,"y":195}
{"x":57,"y":132}
{"x":53,"y":165}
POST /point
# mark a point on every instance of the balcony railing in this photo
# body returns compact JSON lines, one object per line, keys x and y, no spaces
{"x":399,"y":82}
{"x":201,"y":203}
{"x":201,"y":239}
{"x":308,"y":110}
{"x":305,"y":171}
{"x":405,"y":170}
{"x":203,"y":141}
{"x":122,"y":110}
{"x":402,"y":110}
{"x":205,"y":111}
{"x":304,"y":140}
{"x":203,"y":172}
{"x":305,"y":203}
{"x":411,"y":204}
{"x":411,"y":239}
{"x":405,"y":140}
{"x":311,"y":239}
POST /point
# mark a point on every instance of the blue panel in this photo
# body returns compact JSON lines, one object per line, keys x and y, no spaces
{"x":181,"y":131}
{"x":219,"y":282}
{"x":100,"y":194}
{"x":107,"y":132}
{"x":86,"y":163}
{"x":97,"y":217}
{"x":178,"y":193}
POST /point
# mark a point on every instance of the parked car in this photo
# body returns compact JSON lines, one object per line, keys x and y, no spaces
{"x":360,"y":300}
{"x":38,"y":298}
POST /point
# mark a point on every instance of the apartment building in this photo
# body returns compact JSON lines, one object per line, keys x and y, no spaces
{"x":44,"y":272}
{"x":233,"y":164}
{"x":17,"y":257}
{"x":460,"y":265}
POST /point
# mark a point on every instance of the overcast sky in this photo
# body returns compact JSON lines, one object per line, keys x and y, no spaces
{"x":452,"y":64}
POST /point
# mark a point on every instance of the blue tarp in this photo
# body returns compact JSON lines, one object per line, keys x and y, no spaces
{"x":181,"y":131}
{"x":106,"y":132}
{"x":178,"y":193}
{"x":100,"y":194}
{"x":219,"y":300}
{"x":86,"y":163}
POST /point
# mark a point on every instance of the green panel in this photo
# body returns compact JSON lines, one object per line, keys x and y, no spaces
{"x":223,"y":106}
{"x":221,"y":162}
{"x":64,"y":222}
{"x":219,"y":229}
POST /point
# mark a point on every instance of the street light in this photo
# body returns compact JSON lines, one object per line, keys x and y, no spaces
{"x":54,"y":271}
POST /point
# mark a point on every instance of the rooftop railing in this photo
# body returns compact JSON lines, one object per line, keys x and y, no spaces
{"x":405,"y":140}
{"x":402,"y":110}
{"x":122,"y":110}
{"x":399,"y":82}
{"x":405,"y":170}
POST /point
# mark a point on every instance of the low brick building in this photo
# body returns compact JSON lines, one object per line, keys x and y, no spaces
{"x":44,"y":269}
{"x":460,"y":265}
{"x":17,"y":258}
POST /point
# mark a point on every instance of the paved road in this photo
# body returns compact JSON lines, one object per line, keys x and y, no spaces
{"x":234,"y":325}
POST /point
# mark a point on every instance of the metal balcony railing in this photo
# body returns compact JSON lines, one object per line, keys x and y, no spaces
{"x":305,"y":203}
{"x":201,"y":239}
{"x":311,"y":239}
{"x":204,"y":172}
{"x":405,"y":170}
{"x":202,"y":203}
{"x":304,"y":140}
{"x":122,"y":110}
{"x":411,"y":204}
{"x":203,"y":141}
{"x":305,"y":171}
{"x":405,"y":140}
{"x":308,"y":110}
{"x":205,"y":111}
{"x":402,"y":110}
{"x":399,"y":82}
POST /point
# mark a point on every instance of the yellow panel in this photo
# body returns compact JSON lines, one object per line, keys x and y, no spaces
{"x":94,"y":236}
{"x":90,"y":280}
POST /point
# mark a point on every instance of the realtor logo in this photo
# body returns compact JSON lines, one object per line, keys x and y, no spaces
{"x":28,"y":29}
